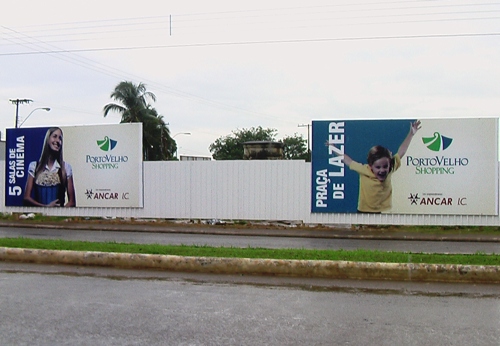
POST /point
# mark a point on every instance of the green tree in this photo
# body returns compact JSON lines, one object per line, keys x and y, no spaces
{"x":295,"y":148}
{"x":157,"y":142}
{"x":230,"y":147}
{"x":132,"y":102}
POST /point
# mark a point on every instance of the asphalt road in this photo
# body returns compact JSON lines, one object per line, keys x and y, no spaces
{"x":58,"y":305}
{"x":252,"y":241}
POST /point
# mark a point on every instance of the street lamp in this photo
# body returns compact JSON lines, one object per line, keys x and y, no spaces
{"x":180,"y":133}
{"x":47,"y":109}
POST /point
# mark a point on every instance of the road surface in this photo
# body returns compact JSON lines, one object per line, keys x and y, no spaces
{"x":58,"y":305}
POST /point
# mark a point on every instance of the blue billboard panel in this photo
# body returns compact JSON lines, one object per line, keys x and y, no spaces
{"x":23,"y":146}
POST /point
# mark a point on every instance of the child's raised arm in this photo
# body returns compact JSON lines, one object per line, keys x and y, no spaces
{"x":414,"y":127}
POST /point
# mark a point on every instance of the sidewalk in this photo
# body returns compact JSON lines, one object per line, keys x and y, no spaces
{"x":338,"y":232}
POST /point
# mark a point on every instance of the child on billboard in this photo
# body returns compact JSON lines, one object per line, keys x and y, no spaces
{"x":375,"y":187}
{"x":50,"y":178}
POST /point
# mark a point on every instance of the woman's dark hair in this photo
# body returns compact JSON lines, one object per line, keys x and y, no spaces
{"x":377,"y":152}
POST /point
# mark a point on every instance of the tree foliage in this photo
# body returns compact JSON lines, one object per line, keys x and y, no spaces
{"x":156,"y":139}
{"x":230,"y":147}
{"x":132,"y":102}
{"x":295,"y":148}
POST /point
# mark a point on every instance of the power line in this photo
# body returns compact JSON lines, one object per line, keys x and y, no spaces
{"x":242,"y":43}
{"x":166,"y":28}
{"x":110,"y":71}
{"x":146,"y":21}
{"x":79,"y":61}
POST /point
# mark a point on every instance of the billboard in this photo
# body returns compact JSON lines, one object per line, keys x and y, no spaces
{"x":447,"y":166}
{"x":102,"y":166}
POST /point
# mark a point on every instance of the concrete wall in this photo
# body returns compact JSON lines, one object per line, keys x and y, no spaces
{"x":238,"y":190}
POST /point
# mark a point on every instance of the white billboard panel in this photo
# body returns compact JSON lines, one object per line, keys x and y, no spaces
{"x":451,"y":168}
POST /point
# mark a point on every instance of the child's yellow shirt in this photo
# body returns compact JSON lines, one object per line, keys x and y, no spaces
{"x":374,"y":196}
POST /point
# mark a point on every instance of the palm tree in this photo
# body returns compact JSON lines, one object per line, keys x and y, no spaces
{"x":134,"y":107}
{"x":133,"y":99}
{"x":158,"y":143}
{"x":167,"y":143}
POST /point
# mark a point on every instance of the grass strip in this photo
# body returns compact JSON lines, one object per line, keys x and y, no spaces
{"x":438,"y":230}
{"x":234,"y":252}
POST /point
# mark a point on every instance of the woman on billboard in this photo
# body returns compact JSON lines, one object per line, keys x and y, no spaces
{"x":50,"y":179}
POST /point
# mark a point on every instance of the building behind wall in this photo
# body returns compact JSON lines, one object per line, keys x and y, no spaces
{"x":194,"y":158}
{"x":262,"y":150}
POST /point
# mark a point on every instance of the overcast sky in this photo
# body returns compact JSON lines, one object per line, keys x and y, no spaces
{"x":218,"y":66}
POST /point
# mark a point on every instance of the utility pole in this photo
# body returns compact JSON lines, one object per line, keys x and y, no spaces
{"x":308,"y":135}
{"x":17,"y":102}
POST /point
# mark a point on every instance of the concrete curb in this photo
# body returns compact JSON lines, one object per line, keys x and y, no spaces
{"x":245,"y":266}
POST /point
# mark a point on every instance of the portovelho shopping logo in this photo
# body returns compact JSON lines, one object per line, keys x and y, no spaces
{"x":436,"y":164}
{"x":438,"y":142}
{"x":106,"y":161}
{"x":107,"y":144}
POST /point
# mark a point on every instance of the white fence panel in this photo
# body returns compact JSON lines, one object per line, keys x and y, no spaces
{"x":238,"y":190}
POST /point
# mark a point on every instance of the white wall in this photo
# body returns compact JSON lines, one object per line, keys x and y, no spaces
{"x":238,"y":190}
